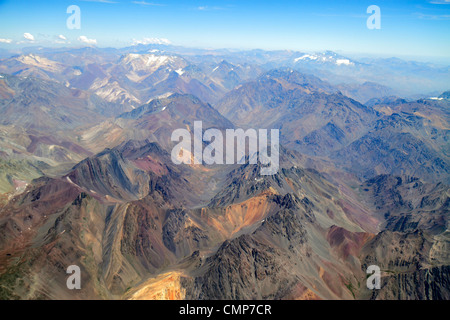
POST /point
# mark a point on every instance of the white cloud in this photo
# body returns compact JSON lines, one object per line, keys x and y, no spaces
{"x":5,"y":40}
{"x":151,"y":41}
{"x":207,"y":8}
{"x":28,"y":36}
{"x":344,"y":62}
{"x":434,"y":16}
{"x":101,"y":1}
{"x":144,"y":3}
{"x":85,"y":39}
{"x":61,"y":39}
{"x":440,"y":1}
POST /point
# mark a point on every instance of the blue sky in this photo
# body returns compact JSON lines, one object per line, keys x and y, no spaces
{"x":413,"y":28}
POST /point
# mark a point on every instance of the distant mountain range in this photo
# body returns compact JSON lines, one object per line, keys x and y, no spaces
{"x":86,"y":176}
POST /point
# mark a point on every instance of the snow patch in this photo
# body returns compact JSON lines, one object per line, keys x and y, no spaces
{"x":161,"y":96}
{"x":133,"y":55}
{"x":306,"y":56}
{"x":159,"y":60}
{"x":344,"y":62}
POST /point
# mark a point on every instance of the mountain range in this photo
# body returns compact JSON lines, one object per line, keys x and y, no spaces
{"x":87,"y":179}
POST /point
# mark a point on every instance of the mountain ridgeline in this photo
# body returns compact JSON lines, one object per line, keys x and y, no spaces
{"x":87,"y":178}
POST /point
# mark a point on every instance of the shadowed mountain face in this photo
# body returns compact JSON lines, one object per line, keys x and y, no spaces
{"x":267,"y":92}
{"x":154,"y":121}
{"x":408,"y":204}
{"x":399,"y":137}
{"x":409,"y":142}
{"x":312,"y":116}
{"x":365,"y":92}
{"x":86,"y":178}
{"x":286,"y":252}
{"x":413,"y":248}
{"x":131,"y":171}
{"x":124,"y":195}
{"x":283,"y":220}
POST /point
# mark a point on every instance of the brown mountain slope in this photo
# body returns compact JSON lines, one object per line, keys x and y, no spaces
{"x":312,"y":116}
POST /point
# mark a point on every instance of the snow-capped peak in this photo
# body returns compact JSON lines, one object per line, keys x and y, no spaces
{"x":329,"y":57}
{"x":306,"y":56}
